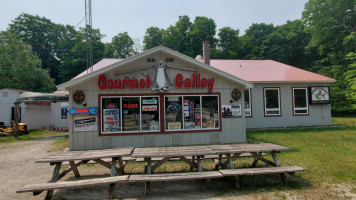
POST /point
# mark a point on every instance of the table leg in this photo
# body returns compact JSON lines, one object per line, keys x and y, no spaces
{"x":75,"y":171}
{"x":231,"y":162}
{"x":148,"y":171}
{"x":56,"y":170}
{"x":113,"y":173}
{"x":255,"y":161}
{"x":200,"y":167}
{"x":219,"y":161}
{"x":191,"y":167}
{"x":278,"y":164}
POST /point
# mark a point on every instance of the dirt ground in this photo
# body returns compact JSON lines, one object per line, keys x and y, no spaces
{"x":17,"y":169}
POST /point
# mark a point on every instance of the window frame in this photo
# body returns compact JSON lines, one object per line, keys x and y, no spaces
{"x":279,"y":109}
{"x":250,"y":101}
{"x":161,"y":104}
{"x":303,"y":108}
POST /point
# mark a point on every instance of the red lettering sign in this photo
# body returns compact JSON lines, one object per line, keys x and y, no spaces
{"x":194,"y":82}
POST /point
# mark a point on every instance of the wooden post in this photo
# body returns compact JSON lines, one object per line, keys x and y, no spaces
{"x":56,"y":170}
{"x":75,"y":170}
{"x":219,"y":159}
{"x":113,"y":173}
{"x":278,"y":164}
{"x":236,"y":181}
{"x":17,"y":118}
{"x":148,"y":171}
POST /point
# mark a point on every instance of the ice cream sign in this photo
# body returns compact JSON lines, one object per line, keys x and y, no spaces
{"x":159,"y":82}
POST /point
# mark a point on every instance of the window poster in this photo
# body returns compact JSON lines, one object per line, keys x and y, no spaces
{"x":87,"y":123}
{"x":111,"y":119}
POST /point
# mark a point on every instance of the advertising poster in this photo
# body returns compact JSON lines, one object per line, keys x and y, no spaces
{"x":87,"y":123}
{"x":111,"y":119}
{"x":226,"y":111}
{"x":236,"y":111}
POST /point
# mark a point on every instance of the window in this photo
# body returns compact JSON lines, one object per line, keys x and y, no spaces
{"x":129,"y":114}
{"x":191,"y":112}
{"x":300,"y":101}
{"x":272,"y":102}
{"x":248,"y":103}
{"x":162,"y":113}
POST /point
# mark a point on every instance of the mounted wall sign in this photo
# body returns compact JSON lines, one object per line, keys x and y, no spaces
{"x":235,"y":94}
{"x":319,"y":94}
{"x":90,"y":111}
{"x":78,"y":96}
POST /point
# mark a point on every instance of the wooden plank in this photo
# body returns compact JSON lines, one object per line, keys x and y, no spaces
{"x":247,"y":148}
{"x":171,"y":151}
{"x":175,"y":176}
{"x":107,"y":160}
{"x":242,"y":155}
{"x":75,"y":170}
{"x":257,"y":171}
{"x":72,"y":184}
{"x":87,"y":155}
{"x":159,"y":163}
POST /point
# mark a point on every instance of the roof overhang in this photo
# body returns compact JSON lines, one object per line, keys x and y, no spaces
{"x":43,"y":97}
{"x":76,"y":81}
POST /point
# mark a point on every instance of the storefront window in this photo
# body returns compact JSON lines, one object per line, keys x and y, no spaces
{"x":192,"y":116}
{"x":248,"y":102}
{"x":173,"y":113}
{"x":111,"y":115}
{"x":272,"y":101}
{"x":129,"y":114}
{"x":210,"y":112}
{"x":150,"y":113}
{"x":191,"y":112}
{"x":300,"y":101}
{"x":141,"y":114}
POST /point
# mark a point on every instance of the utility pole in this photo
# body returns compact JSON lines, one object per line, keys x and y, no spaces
{"x":89,"y":35}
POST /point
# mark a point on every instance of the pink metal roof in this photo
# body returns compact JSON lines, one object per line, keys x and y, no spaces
{"x":267,"y":71}
{"x":101,"y":64}
{"x":248,"y":70}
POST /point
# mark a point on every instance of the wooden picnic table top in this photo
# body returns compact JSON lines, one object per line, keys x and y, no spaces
{"x":247,"y":148}
{"x":172,"y":151}
{"x":86,"y":155}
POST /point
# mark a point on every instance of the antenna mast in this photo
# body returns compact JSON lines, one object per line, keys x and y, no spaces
{"x":89,"y":35}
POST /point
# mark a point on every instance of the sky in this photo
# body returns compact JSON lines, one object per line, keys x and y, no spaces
{"x":135,"y":16}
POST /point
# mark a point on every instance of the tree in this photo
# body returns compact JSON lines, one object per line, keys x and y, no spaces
{"x":121,"y":46}
{"x":75,"y":60}
{"x":20,"y":68}
{"x":177,"y":37}
{"x":332,"y":25}
{"x":228,"y":43}
{"x":203,"y":29}
{"x":153,"y":37}
{"x":48,"y":40}
{"x":252,"y":41}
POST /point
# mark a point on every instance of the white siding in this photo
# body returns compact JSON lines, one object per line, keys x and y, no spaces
{"x":319,"y":115}
{"x":37,"y":117}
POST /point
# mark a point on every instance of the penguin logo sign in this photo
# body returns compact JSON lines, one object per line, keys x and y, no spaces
{"x":161,"y":78}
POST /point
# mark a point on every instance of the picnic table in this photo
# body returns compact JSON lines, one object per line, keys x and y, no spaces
{"x":223,"y":155}
{"x":77,"y":158}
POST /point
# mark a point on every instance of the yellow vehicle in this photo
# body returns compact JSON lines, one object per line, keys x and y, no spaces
{"x":6,"y":130}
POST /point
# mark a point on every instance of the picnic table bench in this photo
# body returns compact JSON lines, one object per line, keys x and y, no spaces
{"x":75,"y":159}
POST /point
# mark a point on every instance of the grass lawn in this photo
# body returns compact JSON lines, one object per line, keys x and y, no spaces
{"x":34,"y":134}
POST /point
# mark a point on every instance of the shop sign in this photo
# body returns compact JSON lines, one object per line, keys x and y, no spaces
{"x":173,"y":125}
{"x":90,"y":111}
{"x":149,"y":108}
{"x":85,"y":123}
{"x":195,"y":81}
{"x":319,"y":94}
{"x":149,"y":101}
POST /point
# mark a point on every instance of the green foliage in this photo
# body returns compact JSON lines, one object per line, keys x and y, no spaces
{"x":228,"y":44}
{"x":332,"y":24}
{"x":48,"y":40}
{"x":20,"y":68}
{"x":121,"y":46}
{"x":177,"y":37}
{"x":153,"y":38}
{"x":75,"y":61}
